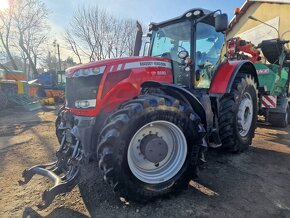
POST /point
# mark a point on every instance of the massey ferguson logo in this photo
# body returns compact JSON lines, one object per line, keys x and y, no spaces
{"x":152,"y":63}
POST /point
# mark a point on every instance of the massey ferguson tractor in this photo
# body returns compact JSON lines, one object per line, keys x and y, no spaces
{"x":148,"y":120}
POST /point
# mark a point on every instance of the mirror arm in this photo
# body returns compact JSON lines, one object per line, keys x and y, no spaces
{"x":199,"y":19}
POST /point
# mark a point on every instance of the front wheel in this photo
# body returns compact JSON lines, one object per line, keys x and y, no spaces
{"x":238,"y":114}
{"x":149,"y":148}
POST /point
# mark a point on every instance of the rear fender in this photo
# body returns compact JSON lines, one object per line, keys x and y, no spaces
{"x":226,"y":73}
{"x":181,"y":94}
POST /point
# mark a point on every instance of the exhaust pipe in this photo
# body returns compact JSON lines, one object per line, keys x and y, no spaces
{"x":138,"y":41}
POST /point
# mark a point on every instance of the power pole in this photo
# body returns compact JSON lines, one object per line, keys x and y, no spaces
{"x":59,"y":62}
{"x":54,"y":45}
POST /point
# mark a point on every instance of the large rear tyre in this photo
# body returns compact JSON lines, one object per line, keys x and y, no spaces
{"x":238,"y":114}
{"x":149,"y":147}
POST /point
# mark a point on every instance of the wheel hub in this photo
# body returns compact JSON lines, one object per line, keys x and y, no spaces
{"x":154,"y":148}
{"x":157,"y":152}
{"x":245,"y":115}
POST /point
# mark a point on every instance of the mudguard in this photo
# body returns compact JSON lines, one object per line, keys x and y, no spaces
{"x":224,"y":76}
{"x":179,"y":93}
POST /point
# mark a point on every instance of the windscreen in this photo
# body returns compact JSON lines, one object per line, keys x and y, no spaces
{"x":168,"y":41}
{"x":209,"y":45}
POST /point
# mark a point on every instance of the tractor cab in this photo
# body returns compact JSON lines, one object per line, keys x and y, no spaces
{"x":193,"y":42}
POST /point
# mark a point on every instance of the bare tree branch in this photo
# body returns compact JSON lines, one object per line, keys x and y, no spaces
{"x":99,"y":35}
{"x":30,"y":17}
{"x":5,"y":31}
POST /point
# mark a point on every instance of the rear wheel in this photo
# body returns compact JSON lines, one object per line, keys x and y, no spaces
{"x":149,"y":148}
{"x":238,"y":114}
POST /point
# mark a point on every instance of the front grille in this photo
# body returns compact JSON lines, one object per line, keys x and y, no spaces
{"x":81,"y":88}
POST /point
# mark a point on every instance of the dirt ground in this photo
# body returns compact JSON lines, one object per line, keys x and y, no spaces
{"x":253,"y":184}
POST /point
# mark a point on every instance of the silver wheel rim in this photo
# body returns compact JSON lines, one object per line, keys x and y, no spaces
{"x":245,"y":115}
{"x":154,"y":173}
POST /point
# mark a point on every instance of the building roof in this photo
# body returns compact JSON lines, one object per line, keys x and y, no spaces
{"x":245,"y":7}
{"x":273,"y":1}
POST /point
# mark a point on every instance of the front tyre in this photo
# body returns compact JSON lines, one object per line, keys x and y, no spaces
{"x":238,"y":114}
{"x":149,"y":147}
{"x":58,"y":132}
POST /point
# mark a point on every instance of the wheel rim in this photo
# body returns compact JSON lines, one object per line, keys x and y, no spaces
{"x":245,"y":114}
{"x":166,"y":142}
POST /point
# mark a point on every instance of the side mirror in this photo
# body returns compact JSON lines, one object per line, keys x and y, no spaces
{"x":221,"y":22}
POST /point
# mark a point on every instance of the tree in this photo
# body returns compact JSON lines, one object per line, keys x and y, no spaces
{"x":72,"y":45}
{"x":49,"y":62}
{"x":69,"y":62}
{"x":6,"y":28}
{"x":30,"y":17}
{"x":96,"y":35}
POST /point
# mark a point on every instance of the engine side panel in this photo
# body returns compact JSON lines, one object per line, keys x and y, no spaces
{"x":122,"y":88}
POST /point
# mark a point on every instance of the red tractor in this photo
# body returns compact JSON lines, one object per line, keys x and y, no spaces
{"x":148,"y":120}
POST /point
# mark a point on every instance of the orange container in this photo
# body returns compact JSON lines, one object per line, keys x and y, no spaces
{"x":15,"y":76}
{"x":33,"y":90}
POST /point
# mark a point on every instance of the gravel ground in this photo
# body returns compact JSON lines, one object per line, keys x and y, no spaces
{"x":253,"y":184}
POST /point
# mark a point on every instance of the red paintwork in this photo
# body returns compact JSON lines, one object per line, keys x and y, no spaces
{"x":125,"y":89}
{"x":222,"y":77}
{"x":234,"y":46}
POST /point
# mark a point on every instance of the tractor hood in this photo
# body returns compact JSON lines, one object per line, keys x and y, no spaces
{"x":116,"y":64}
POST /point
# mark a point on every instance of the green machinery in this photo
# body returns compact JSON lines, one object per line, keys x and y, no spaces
{"x":273,"y":76}
{"x":20,"y":93}
{"x":274,"y":80}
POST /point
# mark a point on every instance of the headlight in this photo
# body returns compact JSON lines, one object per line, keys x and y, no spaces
{"x":89,"y":71}
{"x":189,"y":14}
{"x":85,"y":103}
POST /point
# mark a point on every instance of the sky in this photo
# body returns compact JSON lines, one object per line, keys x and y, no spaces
{"x":145,"y":11}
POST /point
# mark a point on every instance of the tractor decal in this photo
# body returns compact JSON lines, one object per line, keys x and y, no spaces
{"x":263,"y":71}
{"x":148,"y":64}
